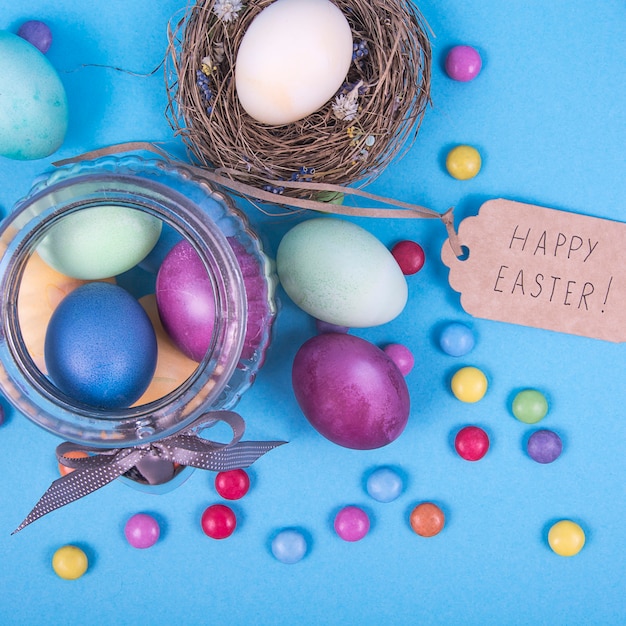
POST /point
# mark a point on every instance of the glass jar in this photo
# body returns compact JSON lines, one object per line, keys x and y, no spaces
{"x":241,"y":277}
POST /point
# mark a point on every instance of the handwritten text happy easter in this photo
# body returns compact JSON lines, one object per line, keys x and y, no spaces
{"x":548,"y":287}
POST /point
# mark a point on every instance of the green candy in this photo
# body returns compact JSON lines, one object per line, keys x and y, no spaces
{"x":530,"y":406}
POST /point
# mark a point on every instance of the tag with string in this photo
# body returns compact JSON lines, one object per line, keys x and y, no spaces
{"x":541,"y":267}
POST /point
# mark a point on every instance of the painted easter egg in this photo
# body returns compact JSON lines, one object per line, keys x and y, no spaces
{"x":293,"y":58}
{"x":100,"y":347}
{"x":340,"y":273}
{"x":351,"y":392}
{"x":100,"y":241}
{"x":33,"y":103}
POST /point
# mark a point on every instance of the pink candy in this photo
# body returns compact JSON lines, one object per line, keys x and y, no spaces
{"x":352,"y":523}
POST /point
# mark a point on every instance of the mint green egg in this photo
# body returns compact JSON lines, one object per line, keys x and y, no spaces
{"x":340,"y":273}
{"x":99,"y":242}
{"x":33,"y":103}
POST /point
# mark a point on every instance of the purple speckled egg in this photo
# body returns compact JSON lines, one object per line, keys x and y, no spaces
{"x":350,"y":391}
{"x":186,"y":301}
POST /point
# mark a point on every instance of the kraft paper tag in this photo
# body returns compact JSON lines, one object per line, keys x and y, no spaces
{"x":544,"y":268}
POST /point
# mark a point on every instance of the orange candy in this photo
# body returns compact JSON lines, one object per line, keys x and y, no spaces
{"x":72,"y":454}
{"x":427,"y":519}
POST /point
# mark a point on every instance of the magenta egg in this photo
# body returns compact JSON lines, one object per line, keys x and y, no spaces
{"x":351,"y":392}
{"x":186,"y":301}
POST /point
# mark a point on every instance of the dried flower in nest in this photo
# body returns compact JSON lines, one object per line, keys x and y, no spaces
{"x":227,"y":10}
{"x":346,"y":105}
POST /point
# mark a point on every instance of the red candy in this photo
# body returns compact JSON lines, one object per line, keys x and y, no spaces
{"x":471,"y":443}
{"x":232,"y":485}
{"x":409,"y":256}
{"x":218,"y":521}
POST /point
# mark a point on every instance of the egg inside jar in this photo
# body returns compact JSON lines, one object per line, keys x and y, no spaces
{"x":120,"y":315}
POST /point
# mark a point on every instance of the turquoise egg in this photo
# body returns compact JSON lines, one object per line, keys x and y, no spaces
{"x":33,"y":103}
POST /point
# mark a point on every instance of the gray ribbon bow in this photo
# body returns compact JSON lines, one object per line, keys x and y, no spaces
{"x":184,"y":448}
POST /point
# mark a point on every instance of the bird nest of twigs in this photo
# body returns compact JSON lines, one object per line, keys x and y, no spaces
{"x":387,"y":86}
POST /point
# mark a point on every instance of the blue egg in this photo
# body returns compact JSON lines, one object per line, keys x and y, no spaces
{"x":289,"y":546}
{"x":384,"y":484}
{"x":456,"y":339}
{"x":100,"y":347}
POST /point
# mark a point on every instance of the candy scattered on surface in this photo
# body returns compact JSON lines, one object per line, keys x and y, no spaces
{"x":401,"y":356}
{"x":99,"y":242}
{"x":463,"y":63}
{"x":186,"y":300}
{"x":142,"y":531}
{"x":469,"y":384}
{"x":218,"y":521}
{"x":33,"y":102}
{"x":2,"y":415}
{"x":456,"y":339}
{"x":384,"y":484}
{"x":471,"y":443}
{"x":69,"y":562}
{"x":566,"y":538}
{"x":289,"y":546}
{"x":72,"y":454}
{"x":340,"y":273}
{"x":37,"y":33}
{"x":233,"y":484}
{"x":326,"y":327}
{"x":100,"y":346}
{"x":352,"y":523}
{"x":351,"y":392}
{"x":530,"y":406}
{"x":463,"y":162}
{"x":409,"y":255}
{"x":427,"y":519}
{"x":544,"y":446}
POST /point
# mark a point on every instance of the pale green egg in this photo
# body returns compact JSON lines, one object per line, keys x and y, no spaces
{"x":33,"y":103}
{"x":340,"y":273}
{"x":99,"y":242}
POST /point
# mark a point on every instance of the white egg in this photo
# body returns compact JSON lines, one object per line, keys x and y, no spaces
{"x":340,"y":273}
{"x":293,"y":58}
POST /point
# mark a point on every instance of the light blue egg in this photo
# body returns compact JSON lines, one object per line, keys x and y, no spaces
{"x":33,"y":103}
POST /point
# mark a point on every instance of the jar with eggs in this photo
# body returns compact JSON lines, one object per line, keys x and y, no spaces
{"x":134,"y":298}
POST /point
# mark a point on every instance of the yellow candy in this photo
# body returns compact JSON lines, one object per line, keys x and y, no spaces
{"x":69,"y":562}
{"x":469,"y":384}
{"x":566,"y":538}
{"x":463,"y":162}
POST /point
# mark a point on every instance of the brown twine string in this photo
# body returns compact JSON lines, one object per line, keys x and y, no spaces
{"x":221,"y":177}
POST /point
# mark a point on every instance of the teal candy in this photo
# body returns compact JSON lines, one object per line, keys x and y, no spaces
{"x":33,"y":104}
{"x":100,"y":242}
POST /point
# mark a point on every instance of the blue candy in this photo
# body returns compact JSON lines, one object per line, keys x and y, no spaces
{"x":456,"y":339}
{"x":289,"y":546}
{"x":384,"y":484}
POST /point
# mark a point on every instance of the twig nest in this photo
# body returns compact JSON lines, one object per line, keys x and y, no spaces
{"x":372,"y":118}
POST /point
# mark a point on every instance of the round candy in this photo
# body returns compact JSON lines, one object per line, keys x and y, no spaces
{"x":37,"y":33}
{"x":100,"y":348}
{"x":289,"y":546}
{"x":352,"y":523}
{"x":456,"y":339}
{"x":2,"y":415}
{"x":409,"y":256}
{"x":99,"y":242}
{"x":72,"y":454}
{"x":186,"y":300}
{"x":350,"y":391}
{"x":544,"y":446}
{"x":566,"y":538}
{"x":69,"y":562}
{"x":401,"y":356}
{"x":463,"y":63}
{"x":463,"y":162}
{"x":469,"y":384}
{"x":326,"y":327}
{"x":471,"y":443}
{"x":233,"y":484}
{"x":142,"y":531}
{"x":384,"y":484}
{"x":427,"y":519}
{"x":530,"y":406}
{"x":218,"y":521}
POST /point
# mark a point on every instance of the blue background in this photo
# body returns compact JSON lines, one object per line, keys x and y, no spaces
{"x":548,"y":114}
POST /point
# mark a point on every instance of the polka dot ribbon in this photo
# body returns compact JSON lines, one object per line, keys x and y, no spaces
{"x":187,"y":448}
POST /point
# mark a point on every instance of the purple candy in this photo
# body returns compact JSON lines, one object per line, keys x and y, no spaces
{"x":186,"y":301}
{"x":2,"y":415}
{"x":37,"y":33}
{"x":401,"y":356}
{"x":142,"y":531}
{"x":463,"y":63}
{"x":544,"y":446}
